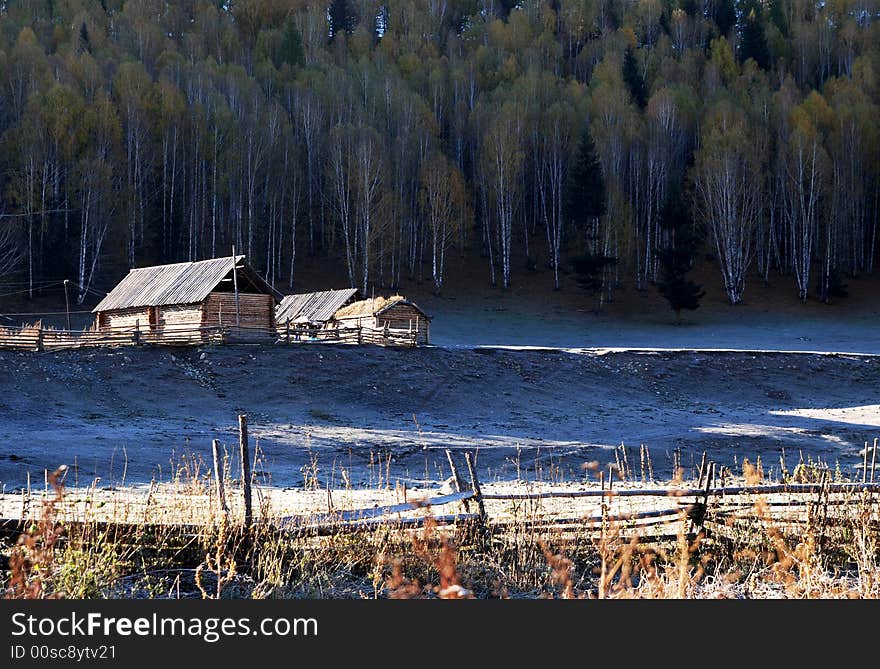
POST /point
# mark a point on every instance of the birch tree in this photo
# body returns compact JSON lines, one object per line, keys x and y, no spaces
{"x":728,"y":191}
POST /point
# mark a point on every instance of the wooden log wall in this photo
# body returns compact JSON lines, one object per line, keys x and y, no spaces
{"x":179,"y":316}
{"x":256,"y":311}
{"x":136,"y":317}
{"x":405,"y":318}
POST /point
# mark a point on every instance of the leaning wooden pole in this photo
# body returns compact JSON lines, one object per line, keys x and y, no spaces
{"x":245,"y":468}
{"x":218,"y":479}
{"x":456,"y":479}
{"x":475,"y":485}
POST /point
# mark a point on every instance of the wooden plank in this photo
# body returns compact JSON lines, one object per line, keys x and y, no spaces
{"x":381,"y":523}
{"x":793,"y":488}
{"x":375,"y":512}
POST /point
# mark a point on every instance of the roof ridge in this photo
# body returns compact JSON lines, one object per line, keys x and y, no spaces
{"x":186,"y":262}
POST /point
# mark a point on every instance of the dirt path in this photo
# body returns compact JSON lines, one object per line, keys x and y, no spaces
{"x":532,"y":413}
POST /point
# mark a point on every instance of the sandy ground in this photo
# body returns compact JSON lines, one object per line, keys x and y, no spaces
{"x":357,"y":415}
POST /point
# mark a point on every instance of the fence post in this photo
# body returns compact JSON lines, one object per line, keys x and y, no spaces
{"x":218,"y":478}
{"x":475,"y":485}
{"x":456,"y":479}
{"x":245,"y":468}
{"x":288,"y":330}
{"x":360,"y":335}
{"x":40,"y":337}
{"x":137,"y":333}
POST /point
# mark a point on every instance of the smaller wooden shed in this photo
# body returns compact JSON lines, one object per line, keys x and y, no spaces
{"x":313,"y":309}
{"x":170,"y":300}
{"x":394,"y":314}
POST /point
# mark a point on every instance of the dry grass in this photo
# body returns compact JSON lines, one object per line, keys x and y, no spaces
{"x":753,"y":548}
{"x":367,"y":307}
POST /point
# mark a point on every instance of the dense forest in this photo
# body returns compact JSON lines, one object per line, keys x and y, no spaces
{"x":383,"y":137}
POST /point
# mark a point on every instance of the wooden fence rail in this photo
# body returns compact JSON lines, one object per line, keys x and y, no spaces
{"x":694,"y":492}
{"x":39,"y":338}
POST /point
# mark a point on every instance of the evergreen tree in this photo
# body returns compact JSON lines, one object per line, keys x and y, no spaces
{"x":677,"y":259}
{"x":84,"y":41}
{"x":342,"y":17}
{"x":689,"y":7}
{"x":291,"y":49}
{"x":585,"y":190}
{"x":725,"y":16}
{"x":753,"y":42}
{"x":585,"y":203}
{"x":777,"y":16}
{"x":633,"y":78}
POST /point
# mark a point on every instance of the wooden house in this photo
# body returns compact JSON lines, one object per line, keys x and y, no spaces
{"x":313,"y":309}
{"x":168,"y":300}
{"x":395,"y":316}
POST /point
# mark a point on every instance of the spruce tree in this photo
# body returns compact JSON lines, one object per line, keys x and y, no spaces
{"x":84,"y":40}
{"x":677,"y":259}
{"x":725,"y":16}
{"x":291,"y":49}
{"x":777,"y":16}
{"x":584,"y":203}
{"x":633,"y":78}
{"x":753,"y":40}
{"x":585,"y":189}
{"x":342,"y":17}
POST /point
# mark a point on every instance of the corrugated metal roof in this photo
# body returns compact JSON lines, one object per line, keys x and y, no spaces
{"x":312,"y":307}
{"x":179,"y":283}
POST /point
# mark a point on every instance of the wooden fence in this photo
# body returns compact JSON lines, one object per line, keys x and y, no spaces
{"x":40,"y":338}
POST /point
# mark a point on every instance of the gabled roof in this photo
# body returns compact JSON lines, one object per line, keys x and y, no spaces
{"x":376,"y":306}
{"x":313,"y":307}
{"x":181,"y":283}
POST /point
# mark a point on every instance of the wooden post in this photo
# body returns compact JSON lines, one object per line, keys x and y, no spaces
{"x":245,"y":468}
{"x":702,"y":470}
{"x":456,"y":479}
{"x":360,"y":334}
{"x":218,"y":479}
{"x":137,"y":333}
{"x":475,"y":485}
{"x":873,"y":459}
{"x":865,"y":464}
{"x":288,"y":330}
{"x":40,"y":338}
{"x":67,"y":302}
{"x":235,"y":287}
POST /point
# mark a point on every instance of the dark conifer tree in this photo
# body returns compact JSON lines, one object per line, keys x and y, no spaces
{"x":85,"y":42}
{"x":585,"y":190}
{"x":585,"y":202}
{"x":777,"y":16}
{"x":753,"y":41}
{"x":725,"y":16}
{"x":633,"y":78}
{"x":291,"y":49}
{"x":342,"y":17}
{"x":677,"y":259}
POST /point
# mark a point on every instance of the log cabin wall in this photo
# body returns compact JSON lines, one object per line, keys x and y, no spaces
{"x":136,"y":317}
{"x":404,"y":317}
{"x":257,"y":311}
{"x":179,"y":316}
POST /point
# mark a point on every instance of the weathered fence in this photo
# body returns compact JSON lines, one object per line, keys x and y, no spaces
{"x":40,"y":338}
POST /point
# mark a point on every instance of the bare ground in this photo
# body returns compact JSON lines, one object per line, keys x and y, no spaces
{"x":130,"y":414}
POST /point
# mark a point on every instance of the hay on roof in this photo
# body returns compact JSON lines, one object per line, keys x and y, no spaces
{"x":369,"y":307}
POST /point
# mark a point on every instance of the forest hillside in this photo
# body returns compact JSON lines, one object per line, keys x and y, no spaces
{"x":612,"y":140}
